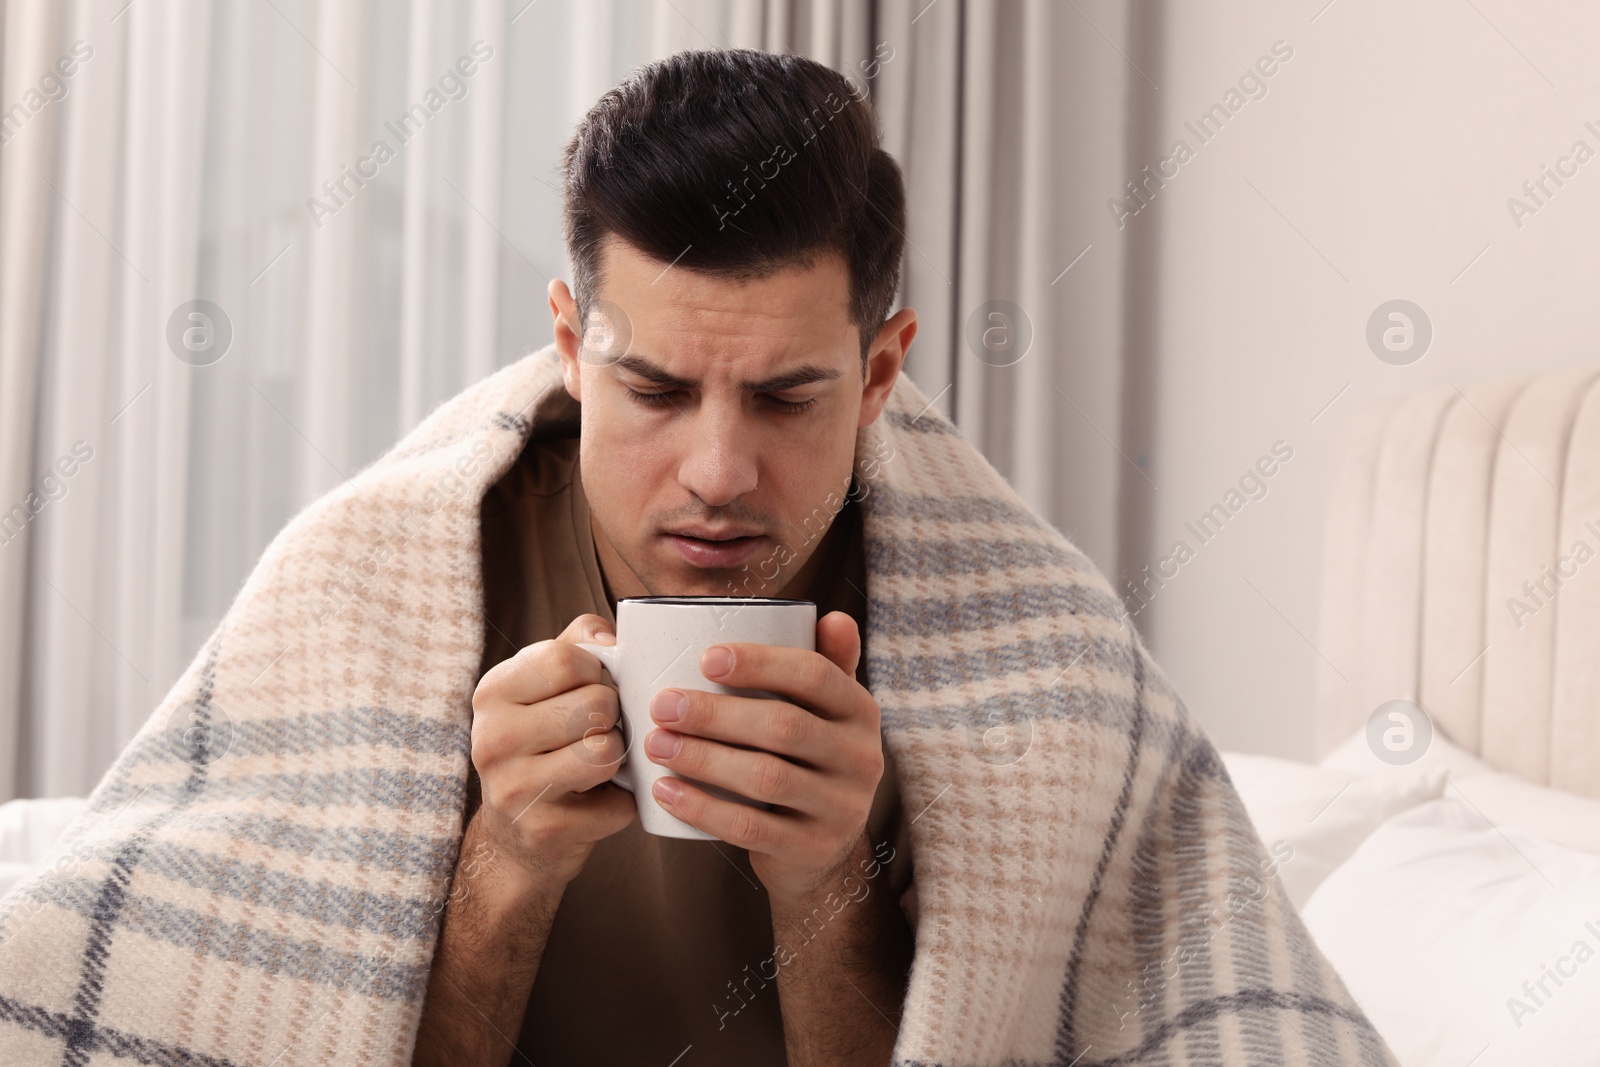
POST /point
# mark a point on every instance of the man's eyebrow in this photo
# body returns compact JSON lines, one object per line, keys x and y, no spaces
{"x":805,"y":374}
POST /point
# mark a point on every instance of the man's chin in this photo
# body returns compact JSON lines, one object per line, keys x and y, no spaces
{"x":677,"y":578}
{"x":731,"y":582}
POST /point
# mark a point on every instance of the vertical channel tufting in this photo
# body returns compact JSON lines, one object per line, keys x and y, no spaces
{"x":1454,"y":563}
{"x":1391,"y":594}
{"x":1459,"y":529}
{"x":1524,"y":515}
{"x":1575,"y":700}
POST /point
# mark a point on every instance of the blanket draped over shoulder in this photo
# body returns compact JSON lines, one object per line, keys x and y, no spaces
{"x":260,"y":876}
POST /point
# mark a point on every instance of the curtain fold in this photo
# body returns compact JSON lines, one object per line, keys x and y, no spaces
{"x":31,"y":35}
{"x":366,"y":197}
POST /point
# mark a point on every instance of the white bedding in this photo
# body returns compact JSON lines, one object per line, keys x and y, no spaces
{"x":27,"y":830}
{"x":1321,"y":813}
{"x":1504,"y":799}
{"x":1467,"y":943}
{"x":1461,"y":905}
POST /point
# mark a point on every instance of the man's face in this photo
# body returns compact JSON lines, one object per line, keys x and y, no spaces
{"x":717,"y":442}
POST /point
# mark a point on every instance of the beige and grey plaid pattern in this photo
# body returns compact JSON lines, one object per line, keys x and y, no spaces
{"x":259,"y":877}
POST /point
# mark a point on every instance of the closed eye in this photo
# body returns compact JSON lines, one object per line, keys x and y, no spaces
{"x":651,"y":399}
{"x":662,"y":399}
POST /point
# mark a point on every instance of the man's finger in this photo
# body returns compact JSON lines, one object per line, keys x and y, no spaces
{"x":548,"y":668}
{"x":536,"y":673}
{"x":751,"y":722}
{"x":807,"y":678}
{"x":574,"y":768}
{"x":840,"y":641}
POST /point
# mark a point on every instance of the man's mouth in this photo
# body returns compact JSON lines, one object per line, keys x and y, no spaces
{"x":715,"y":549}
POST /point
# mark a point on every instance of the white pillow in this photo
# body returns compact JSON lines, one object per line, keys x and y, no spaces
{"x":1323,"y":814}
{"x":1355,"y":756}
{"x":1444,"y":928}
{"x":1504,"y":799}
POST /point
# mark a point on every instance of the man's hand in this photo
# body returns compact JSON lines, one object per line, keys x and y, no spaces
{"x":545,"y":741}
{"x":819,"y":758}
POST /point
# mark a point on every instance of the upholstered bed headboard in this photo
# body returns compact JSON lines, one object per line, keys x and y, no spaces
{"x":1461,"y":570}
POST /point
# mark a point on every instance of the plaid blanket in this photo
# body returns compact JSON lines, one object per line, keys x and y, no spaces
{"x":259,"y":877}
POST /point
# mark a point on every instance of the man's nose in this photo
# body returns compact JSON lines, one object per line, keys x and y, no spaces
{"x":720,"y":466}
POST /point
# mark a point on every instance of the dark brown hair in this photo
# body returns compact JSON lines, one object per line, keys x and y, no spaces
{"x":737,"y":163}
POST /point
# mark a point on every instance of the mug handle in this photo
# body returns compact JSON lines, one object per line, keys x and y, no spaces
{"x":611,"y":657}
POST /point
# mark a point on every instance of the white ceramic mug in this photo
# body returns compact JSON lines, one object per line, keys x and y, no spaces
{"x":659,"y":643}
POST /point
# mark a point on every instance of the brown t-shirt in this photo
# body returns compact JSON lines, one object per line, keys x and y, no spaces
{"x":660,"y":944}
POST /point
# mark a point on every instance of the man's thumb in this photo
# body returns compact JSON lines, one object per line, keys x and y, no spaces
{"x":590,"y":629}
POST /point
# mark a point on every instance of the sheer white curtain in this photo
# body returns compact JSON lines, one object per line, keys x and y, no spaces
{"x":230,"y":153}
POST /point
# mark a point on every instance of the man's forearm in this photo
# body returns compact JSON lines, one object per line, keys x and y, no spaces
{"x":844,"y":957}
{"x":494,"y":933}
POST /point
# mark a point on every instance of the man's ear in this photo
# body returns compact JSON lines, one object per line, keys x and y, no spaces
{"x":885,"y":357}
{"x":568,"y":335}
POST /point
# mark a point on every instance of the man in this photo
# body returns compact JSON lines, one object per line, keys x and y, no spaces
{"x":370,"y":823}
{"x":742,"y":305}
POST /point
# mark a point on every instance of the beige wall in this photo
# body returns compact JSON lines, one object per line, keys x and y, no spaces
{"x":1377,"y":166}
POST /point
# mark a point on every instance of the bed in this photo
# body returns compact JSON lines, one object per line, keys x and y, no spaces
{"x":1456,"y":886}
